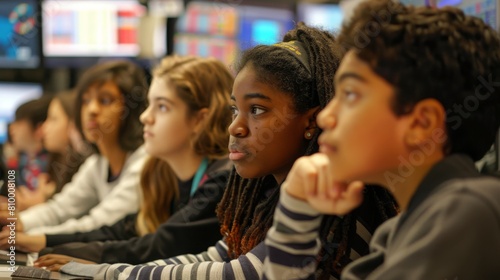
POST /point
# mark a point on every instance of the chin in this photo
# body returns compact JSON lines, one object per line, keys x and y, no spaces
{"x":246,"y":173}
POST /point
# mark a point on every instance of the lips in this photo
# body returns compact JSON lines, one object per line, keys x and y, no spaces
{"x":326,"y":146}
{"x":236,"y":153}
{"x":91,"y":125}
{"x":147,"y":134}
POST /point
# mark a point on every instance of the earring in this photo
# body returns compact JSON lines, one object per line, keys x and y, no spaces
{"x":308,"y":135}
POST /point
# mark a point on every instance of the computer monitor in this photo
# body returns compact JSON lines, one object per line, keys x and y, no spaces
{"x":12,"y":96}
{"x":91,"y":28}
{"x":486,"y":10}
{"x":263,"y":26}
{"x":327,"y":16}
{"x":20,"y":34}
{"x":208,"y":29}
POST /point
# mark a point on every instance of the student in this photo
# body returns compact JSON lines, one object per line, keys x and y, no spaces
{"x":67,"y":152}
{"x":190,"y":169}
{"x":110,"y":98}
{"x":26,"y":136}
{"x":400,"y":118}
{"x":277,"y":93}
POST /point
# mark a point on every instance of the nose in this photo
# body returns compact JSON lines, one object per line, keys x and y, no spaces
{"x":93,"y":106}
{"x":327,"y":118}
{"x":146,"y":116}
{"x":238,"y":128}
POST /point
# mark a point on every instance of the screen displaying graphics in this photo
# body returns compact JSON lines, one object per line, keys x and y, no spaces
{"x":12,"y":95}
{"x":327,"y":16}
{"x":19,"y":34}
{"x":483,"y":9}
{"x":263,"y":26}
{"x":75,"y":28}
{"x":208,"y":29}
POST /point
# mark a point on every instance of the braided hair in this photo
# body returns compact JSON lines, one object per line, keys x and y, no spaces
{"x":247,"y":207}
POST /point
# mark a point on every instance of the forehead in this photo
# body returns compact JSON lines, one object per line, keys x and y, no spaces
{"x":161,"y":87}
{"x":108,"y":87}
{"x":247,"y":82}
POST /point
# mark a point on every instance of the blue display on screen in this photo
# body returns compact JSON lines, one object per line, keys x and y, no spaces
{"x":263,"y":26}
{"x":327,"y":16}
{"x":265,"y":32}
{"x":19,"y":34}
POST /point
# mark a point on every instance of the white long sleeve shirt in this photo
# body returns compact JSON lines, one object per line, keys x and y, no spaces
{"x":89,"y":201}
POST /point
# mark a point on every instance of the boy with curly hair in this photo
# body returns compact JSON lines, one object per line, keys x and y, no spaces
{"x":417,"y":102}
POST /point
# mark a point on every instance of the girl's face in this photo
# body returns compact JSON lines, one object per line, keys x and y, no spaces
{"x":55,"y":128}
{"x":267,"y":135}
{"x":102,"y":110}
{"x":168,"y":128}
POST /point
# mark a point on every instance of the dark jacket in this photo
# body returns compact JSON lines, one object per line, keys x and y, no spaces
{"x":191,"y":229}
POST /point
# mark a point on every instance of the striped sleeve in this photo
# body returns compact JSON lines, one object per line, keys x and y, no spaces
{"x":292,"y":243}
{"x":212,"y":264}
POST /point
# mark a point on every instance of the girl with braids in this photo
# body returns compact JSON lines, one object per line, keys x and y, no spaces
{"x":186,"y":137}
{"x":394,"y":121}
{"x":277,"y":93}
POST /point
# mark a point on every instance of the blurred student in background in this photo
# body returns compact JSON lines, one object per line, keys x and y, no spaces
{"x":67,"y":152}
{"x":110,"y":98}
{"x":26,"y":138}
{"x":186,"y":136}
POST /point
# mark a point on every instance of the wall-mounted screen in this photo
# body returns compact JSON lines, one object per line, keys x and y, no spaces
{"x":12,"y":95}
{"x":91,"y":28}
{"x":19,"y":34}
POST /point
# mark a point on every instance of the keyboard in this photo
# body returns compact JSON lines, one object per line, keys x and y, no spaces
{"x":31,"y":272}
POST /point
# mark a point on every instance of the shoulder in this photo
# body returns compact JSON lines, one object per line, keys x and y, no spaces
{"x":92,"y":162}
{"x":136,"y":160}
{"x":483,"y":190}
{"x":474,"y":202}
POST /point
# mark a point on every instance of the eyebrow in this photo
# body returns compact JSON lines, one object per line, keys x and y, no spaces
{"x":163,"y":99}
{"x":351,"y":75}
{"x":252,"y":96}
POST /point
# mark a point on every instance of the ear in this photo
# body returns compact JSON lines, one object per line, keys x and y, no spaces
{"x":38,"y":131}
{"x":199,"y":119}
{"x":427,"y":116}
{"x":310,"y":119}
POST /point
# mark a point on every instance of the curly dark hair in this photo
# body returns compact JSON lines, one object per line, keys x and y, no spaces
{"x":433,"y":53}
{"x":247,"y":207}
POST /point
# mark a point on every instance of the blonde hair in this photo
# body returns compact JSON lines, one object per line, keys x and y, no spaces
{"x":159,"y":188}
{"x":200,"y":83}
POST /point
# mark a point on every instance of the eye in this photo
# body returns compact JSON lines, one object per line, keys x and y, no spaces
{"x":106,"y":100}
{"x":350,"y":96}
{"x":257,"y":110}
{"x":234,"y":111}
{"x":85,"y":100}
{"x":162,"y":107}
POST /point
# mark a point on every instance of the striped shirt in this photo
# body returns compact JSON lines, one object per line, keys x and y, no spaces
{"x":215,"y":263}
{"x":293,"y":242}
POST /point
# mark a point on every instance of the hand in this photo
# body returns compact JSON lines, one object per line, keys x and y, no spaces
{"x":54,"y":262}
{"x":310,"y":180}
{"x":23,"y":242}
{"x":26,"y":198}
{"x":9,"y":216}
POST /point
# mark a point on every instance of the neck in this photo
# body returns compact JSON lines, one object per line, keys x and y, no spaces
{"x":115,"y":155}
{"x":404,"y":181}
{"x":184,"y":164}
{"x":34,"y":149}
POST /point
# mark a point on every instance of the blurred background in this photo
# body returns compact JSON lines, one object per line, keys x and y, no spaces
{"x":46,"y":44}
